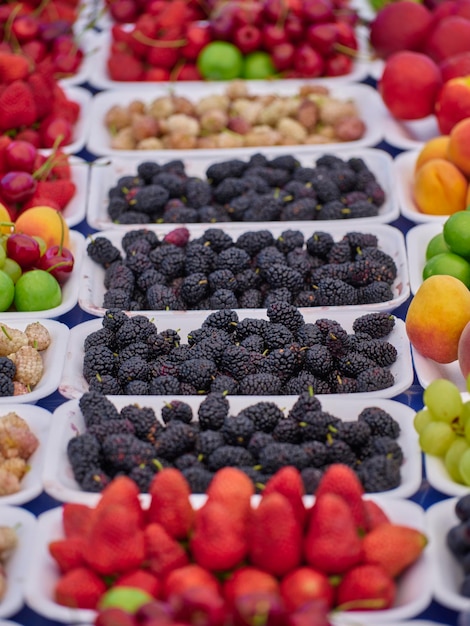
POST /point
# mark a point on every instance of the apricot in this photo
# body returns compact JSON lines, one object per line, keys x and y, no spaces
{"x":439,"y":188}
{"x":435,"y":148}
{"x":409,"y":85}
{"x":436,"y":317}
{"x":448,"y":37}
{"x":5,"y":219}
{"x":453,"y":103}
{"x":46,"y":223}
{"x":458,"y":150}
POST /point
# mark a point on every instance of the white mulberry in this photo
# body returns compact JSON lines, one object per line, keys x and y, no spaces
{"x":29,"y":365}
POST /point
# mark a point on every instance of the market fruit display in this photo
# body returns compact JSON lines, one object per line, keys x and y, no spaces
{"x":260,"y":439}
{"x":8,"y":542}
{"x":17,"y":444}
{"x":448,"y":251}
{"x":233,"y":119}
{"x":173,"y":547}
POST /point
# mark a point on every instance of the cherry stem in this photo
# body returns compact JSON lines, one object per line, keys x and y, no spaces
{"x":351,"y":52}
{"x":44,"y":170}
{"x":9,"y":36}
{"x":60,"y":264}
{"x":175,"y":43}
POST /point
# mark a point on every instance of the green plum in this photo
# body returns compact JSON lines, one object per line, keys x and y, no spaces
{"x":12,"y":268}
{"x":127,"y":598}
{"x":37,"y":290}
{"x":7,"y":291}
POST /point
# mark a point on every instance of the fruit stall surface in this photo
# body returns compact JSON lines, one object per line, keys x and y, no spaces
{"x":124,"y":97}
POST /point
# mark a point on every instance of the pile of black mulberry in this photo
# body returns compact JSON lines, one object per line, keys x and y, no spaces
{"x":256,"y":190}
{"x":214,"y":271}
{"x":282,"y":354}
{"x":260,"y":439}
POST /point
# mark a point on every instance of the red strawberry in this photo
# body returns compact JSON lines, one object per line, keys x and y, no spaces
{"x":76,"y":519}
{"x":140,"y":579}
{"x":55,"y":131}
{"x":234,"y":490}
{"x":275,"y":536}
{"x":218,"y":541}
{"x":5,"y":141}
{"x":305,"y":584}
{"x":375,"y":515}
{"x":124,"y":67}
{"x":60,"y":192}
{"x":115,"y":542}
{"x":60,"y":166}
{"x":13,"y":67}
{"x":288,"y":481}
{"x":248,"y":579}
{"x":31,"y":135}
{"x":17,"y":106}
{"x":122,"y":490}
{"x":42,"y":94}
{"x":170,"y":505}
{"x":186,"y":577}
{"x":332,"y":543}
{"x":162,"y":552}
{"x":68,"y":553}
{"x":343,"y":480}
{"x":81,"y":588}
{"x":393,"y":546}
{"x":366,"y":587}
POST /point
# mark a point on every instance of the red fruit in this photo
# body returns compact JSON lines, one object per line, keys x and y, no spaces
{"x":25,"y":28}
{"x":313,"y":612}
{"x":188,"y":71}
{"x":283,"y":56}
{"x":289,"y":483}
{"x":140,"y":579}
{"x":58,"y":261}
{"x":393,"y":546}
{"x":17,"y":186}
{"x":455,"y":66}
{"x":35,"y":50}
{"x":55,"y":131}
{"x":199,"y":605}
{"x":308,"y":62}
{"x":246,"y":580}
{"x":305,"y":584}
{"x":170,"y":505}
{"x":247,"y":38}
{"x":124,"y":491}
{"x":124,"y":67}
{"x":338,"y":64}
{"x":17,"y":106}
{"x":449,"y":37}
{"x":124,"y":11}
{"x":178,"y":237}
{"x":366,"y":587}
{"x":316,"y":11}
{"x":322,"y":37}
{"x":162,"y":553}
{"x":294,"y":27}
{"x":343,"y":481}
{"x":113,"y":616}
{"x":13,"y":67}
{"x":76,"y":519}
{"x":273,"y":35}
{"x":375,"y":515}
{"x":222,"y":22}
{"x":60,"y":192}
{"x":186,"y":577}
{"x":332,"y":543}
{"x":232,"y":488}
{"x":20,"y":155}
{"x":259,"y":608}
{"x":275,"y":536}
{"x":275,"y":10}
{"x":197,"y":37}
{"x":163,"y":57}
{"x":29,"y":135}
{"x":80,"y":588}
{"x":67,"y":553}
{"x":156,"y":74}
{"x":5,"y":141}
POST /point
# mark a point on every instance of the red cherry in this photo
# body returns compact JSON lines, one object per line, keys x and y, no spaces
{"x":36,"y":50}
{"x":49,"y":31}
{"x":155,"y":7}
{"x":17,"y":186}
{"x":23,"y":249}
{"x":222,"y":22}
{"x":338,"y":64}
{"x":283,"y":56}
{"x":308,"y":62}
{"x":322,"y":37}
{"x":25,"y":28}
{"x":294,"y":28}
{"x":346,"y":35}
{"x":67,"y":63}
{"x":157,"y":74}
{"x":188,"y":71}
{"x":20,"y":156}
{"x":275,"y":10}
{"x":58,"y":261}
{"x":315,"y":11}
{"x":249,"y":13}
{"x":164,"y":57}
{"x":197,"y":37}
{"x":54,"y":129}
{"x":123,"y":11}
{"x":273,"y":35}
{"x":247,"y":38}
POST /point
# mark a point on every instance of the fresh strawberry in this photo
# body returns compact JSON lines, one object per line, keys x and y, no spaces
{"x":5,"y":141}
{"x":122,"y":490}
{"x":140,"y":579}
{"x":80,"y":588}
{"x":234,"y":490}
{"x":60,"y":167}
{"x":115,"y":542}
{"x":332,"y":543}
{"x":305,"y":584}
{"x":248,"y":579}
{"x":68,"y":553}
{"x":60,"y":192}
{"x":76,"y":519}
{"x":126,"y":67}
{"x":393,"y":546}
{"x":13,"y":67}
{"x":186,"y":577}
{"x":162,"y":552}
{"x":375,"y":515}
{"x":288,"y":481}
{"x":343,"y":480}
{"x":31,"y":135}
{"x":170,"y":505}
{"x":17,"y":106}
{"x":42,"y":94}
{"x":218,"y":541}
{"x":366,"y":587}
{"x":275,"y":536}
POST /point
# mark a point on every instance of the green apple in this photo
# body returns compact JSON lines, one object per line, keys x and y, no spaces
{"x":258,"y":66}
{"x":220,"y":60}
{"x":37,"y":290}
{"x":129,"y":599}
{"x":7,"y":291}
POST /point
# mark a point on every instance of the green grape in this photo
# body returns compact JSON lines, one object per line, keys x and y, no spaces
{"x":453,"y":456}
{"x":422,"y":419}
{"x":442,"y":397}
{"x":464,"y":466}
{"x":436,"y":437}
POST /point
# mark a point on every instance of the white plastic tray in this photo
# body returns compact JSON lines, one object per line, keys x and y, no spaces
{"x":69,"y":288}
{"x":417,"y":239}
{"x":447,"y":574}
{"x":105,"y":173}
{"x":53,"y":359}
{"x":68,"y":421}
{"x":391,"y":241}
{"x":403,"y":170}
{"x":75,"y":211}
{"x":428,"y":370}
{"x":411,"y":134}
{"x":414,"y":586}
{"x":19,"y":562}
{"x":73,"y":384}
{"x":80,"y":130}
{"x":38,"y":420}
{"x":368,"y":102}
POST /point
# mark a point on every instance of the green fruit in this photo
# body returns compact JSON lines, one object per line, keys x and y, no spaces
{"x":3,"y":256}
{"x":12,"y":268}
{"x":258,"y":66}
{"x":220,"y":60}
{"x":436,"y":245}
{"x":37,"y":290}
{"x":129,"y":599}
{"x":450,"y":264}
{"x":7,"y":291}
{"x":456,"y":233}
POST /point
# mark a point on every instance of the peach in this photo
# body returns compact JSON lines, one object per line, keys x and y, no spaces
{"x":453,"y":103}
{"x":437,"y":316}
{"x":448,"y":37}
{"x":409,"y":85}
{"x":46,"y":223}
{"x":455,"y":66}
{"x":400,"y":25}
{"x":463,"y":351}
{"x":435,"y":148}
{"x":458,"y":150}
{"x":5,"y":220}
{"x":439,"y":188}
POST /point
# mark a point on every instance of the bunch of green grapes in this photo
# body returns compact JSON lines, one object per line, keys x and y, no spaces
{"x":443,"y":425}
